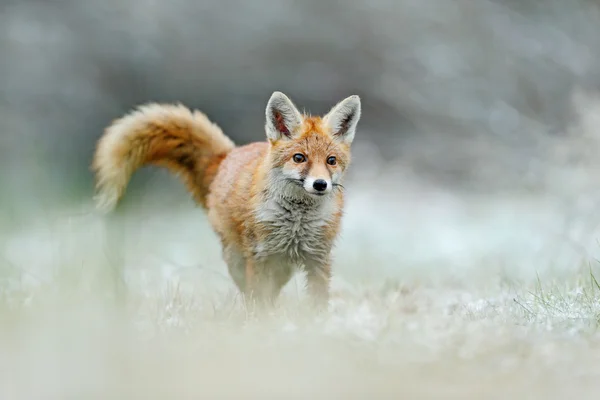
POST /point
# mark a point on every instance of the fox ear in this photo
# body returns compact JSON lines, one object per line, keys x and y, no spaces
{"x":283,"y":118}
{"x":343,"y":117}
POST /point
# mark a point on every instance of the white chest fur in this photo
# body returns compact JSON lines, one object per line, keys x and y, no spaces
{"x":296,"y":228}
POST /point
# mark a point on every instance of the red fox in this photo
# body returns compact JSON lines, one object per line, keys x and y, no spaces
{"x":275,"y":205}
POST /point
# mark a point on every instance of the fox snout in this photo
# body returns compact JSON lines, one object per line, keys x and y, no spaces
{"x":317,"y":185}
{"x":320,"y":185}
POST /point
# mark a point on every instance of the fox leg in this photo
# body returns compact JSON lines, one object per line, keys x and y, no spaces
{"x":265,"y":278}
{"x":236,"y":265}
{"x":318,"y":276}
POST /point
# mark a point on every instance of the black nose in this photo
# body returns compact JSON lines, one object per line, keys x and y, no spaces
{"x":320,"y":185}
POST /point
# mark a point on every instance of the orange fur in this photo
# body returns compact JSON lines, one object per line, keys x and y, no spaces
{"x":258,"y":196}
{"x":171,"y":136}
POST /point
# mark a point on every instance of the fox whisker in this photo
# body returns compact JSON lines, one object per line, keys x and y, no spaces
{"x":298,"y":182}
{"x":338,"y":186}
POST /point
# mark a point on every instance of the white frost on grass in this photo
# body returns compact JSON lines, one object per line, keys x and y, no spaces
{"x":389,"y":340}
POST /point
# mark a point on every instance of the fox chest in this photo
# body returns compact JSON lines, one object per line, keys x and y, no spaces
{"x":295,"y":230}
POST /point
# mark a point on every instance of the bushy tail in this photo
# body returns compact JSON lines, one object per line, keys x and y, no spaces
{"x":171,"y":136}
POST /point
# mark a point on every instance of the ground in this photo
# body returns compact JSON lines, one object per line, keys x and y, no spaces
{"x":431,"y":299}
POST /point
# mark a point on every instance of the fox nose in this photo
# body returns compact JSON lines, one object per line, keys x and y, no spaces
{"x":320,"y":185}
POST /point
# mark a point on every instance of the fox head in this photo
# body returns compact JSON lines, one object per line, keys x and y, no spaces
{"x":310,"y":155}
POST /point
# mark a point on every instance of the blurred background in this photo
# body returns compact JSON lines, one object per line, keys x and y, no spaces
{"x":478,"y":139}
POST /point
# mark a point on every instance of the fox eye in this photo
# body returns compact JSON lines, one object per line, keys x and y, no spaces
{"x":331,"y":160}
{"x":299,"y":158}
